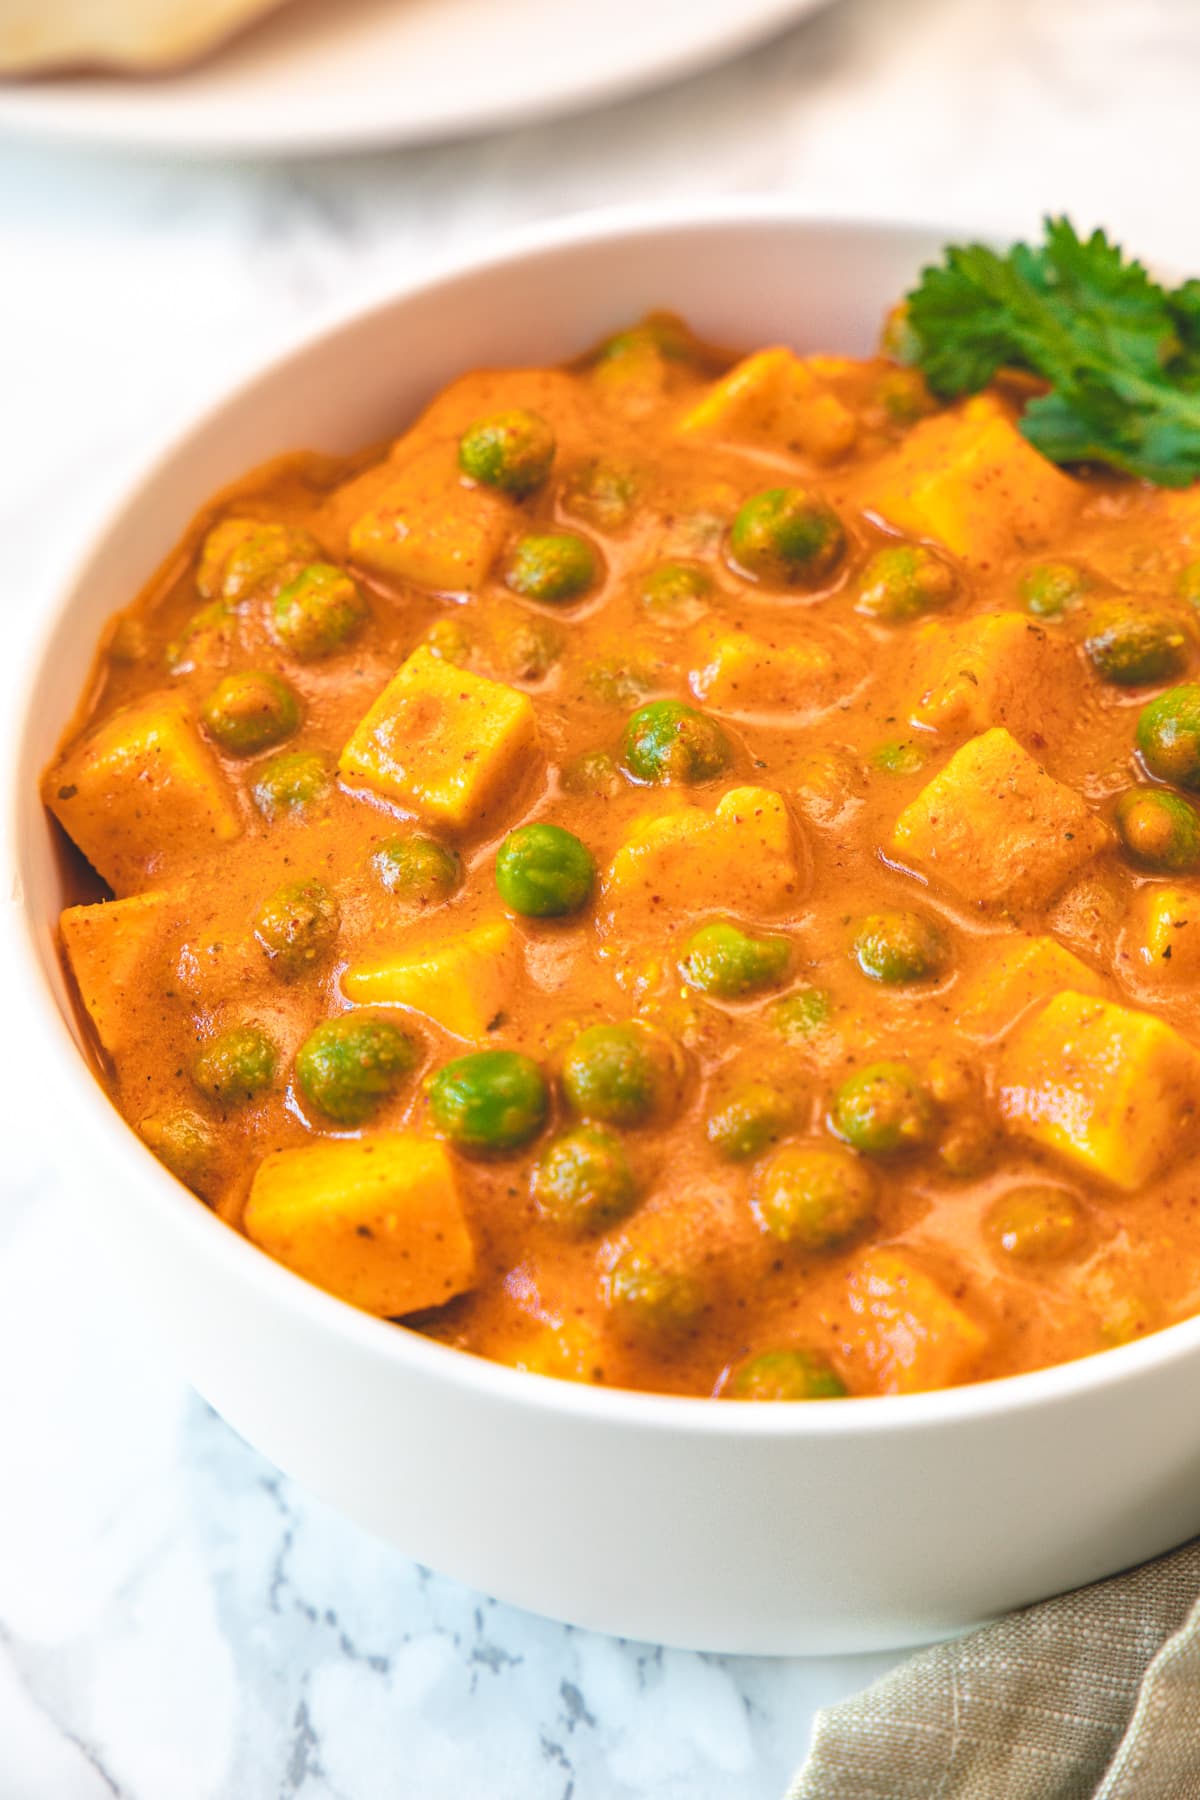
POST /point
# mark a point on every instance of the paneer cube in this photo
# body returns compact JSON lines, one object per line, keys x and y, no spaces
{"x":430,"y":528}
{"x":971,"y":481}
{"x":378,"y":1221}
{"x":1115,"y":1091}
{"x":910,"y":1335}
{"x":1166,"y":933}
{"x":454,"y":747}
{"x":996,"y":829}
{"x":774,"y":398}
{"x":742,"y":857}
{"x":736,"y":672}
{"x":143,"y":796}
{"x":1016,"y":977}
{"x":462,"y":983}
{"x":109,"y":947}
{"x":998,"y":669}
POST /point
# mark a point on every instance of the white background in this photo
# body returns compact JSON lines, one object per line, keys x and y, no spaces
{"x":176,"y":1621}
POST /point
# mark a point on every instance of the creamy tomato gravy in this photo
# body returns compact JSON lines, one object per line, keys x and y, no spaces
{"x":918,"y":1109}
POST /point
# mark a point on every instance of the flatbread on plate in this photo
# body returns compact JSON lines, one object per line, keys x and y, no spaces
{"x":40,"y":35}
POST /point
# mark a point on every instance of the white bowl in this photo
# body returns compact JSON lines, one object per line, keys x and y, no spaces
{"x":845,"y":1526}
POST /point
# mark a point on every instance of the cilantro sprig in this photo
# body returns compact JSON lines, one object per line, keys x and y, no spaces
{"x":1120,"y":355}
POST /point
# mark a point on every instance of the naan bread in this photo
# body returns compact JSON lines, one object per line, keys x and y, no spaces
{"x":39,"y":35}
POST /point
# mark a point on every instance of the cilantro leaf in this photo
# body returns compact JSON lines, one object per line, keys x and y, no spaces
{"x":1120,"y":355}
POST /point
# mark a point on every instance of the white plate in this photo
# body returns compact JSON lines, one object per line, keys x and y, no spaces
{"x":325,"y":75}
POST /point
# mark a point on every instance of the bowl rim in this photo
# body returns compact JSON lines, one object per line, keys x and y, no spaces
{"x":240,"y":1261}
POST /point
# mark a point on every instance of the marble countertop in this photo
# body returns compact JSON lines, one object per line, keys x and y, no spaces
{"x":176,"y":1619}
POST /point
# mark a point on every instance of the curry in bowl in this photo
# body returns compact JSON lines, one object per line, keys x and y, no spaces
{"x":676,"y":873}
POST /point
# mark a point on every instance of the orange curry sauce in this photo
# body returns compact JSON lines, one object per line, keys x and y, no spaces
{"x":939,"y":738}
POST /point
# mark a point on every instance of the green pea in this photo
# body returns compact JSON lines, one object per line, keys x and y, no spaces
{"x":749,"y":1118}
{"x":722,"y":960}
{"x":449,"y":639}
{"x":661,"y":333}
{"x":701,"y":529}
{"x":903,"y":582}
{"x":1131,"y":647}
{"x":349,"y":1066}
{"x":593,"y":773}
{"x":236,"y":1065}
{"x":814,"y":1196}
{"x":690,"y":1023}
{"x":511,"y":451}
{"x":582,"y":1181}
{"x":898,"y":756}
{"x":544,"y":872}
{"x":1168,"y":735}
{"x":552,"y":566}
{"x":650,"y":1295}
{"x":787,"y":537}
{"x":527,"y":649}
{"x":601,"y":493}
{"x":243,"y":557}
{"x":1049,"y":588}
{"x":669,"y":742}
{"x":318,"y":611}
{"x":967,"y":1147}
{"x":1161,"y":831}
{"x":1035,"y":1224}
{"x":621,"y":1074}
{"x":292,"y":784}
{"x":250,"y":711}
{"x":206,"y":641}
{"x":897,"y":947}
{"x":904,"y":396}
{"x":491,"y":1100}
{"x":883,"y":1109}
{"x":183,"y":1141}
{"x":297,"y":927}
{"x":676,"y":591}
{"x":784,"y":1375}
{"x":417,"y":868}
{"x":799,"y":1016}
{"x":620,"y":680}
{"x":264,"y":558}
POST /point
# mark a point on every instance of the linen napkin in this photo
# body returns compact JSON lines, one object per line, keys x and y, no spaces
{"x":1094,"y":1695}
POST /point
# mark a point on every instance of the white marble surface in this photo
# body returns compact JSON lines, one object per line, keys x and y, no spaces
{"x":176,"y":1621}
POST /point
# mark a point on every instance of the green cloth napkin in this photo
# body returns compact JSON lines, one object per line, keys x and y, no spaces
{"x":1092,"y":1696}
